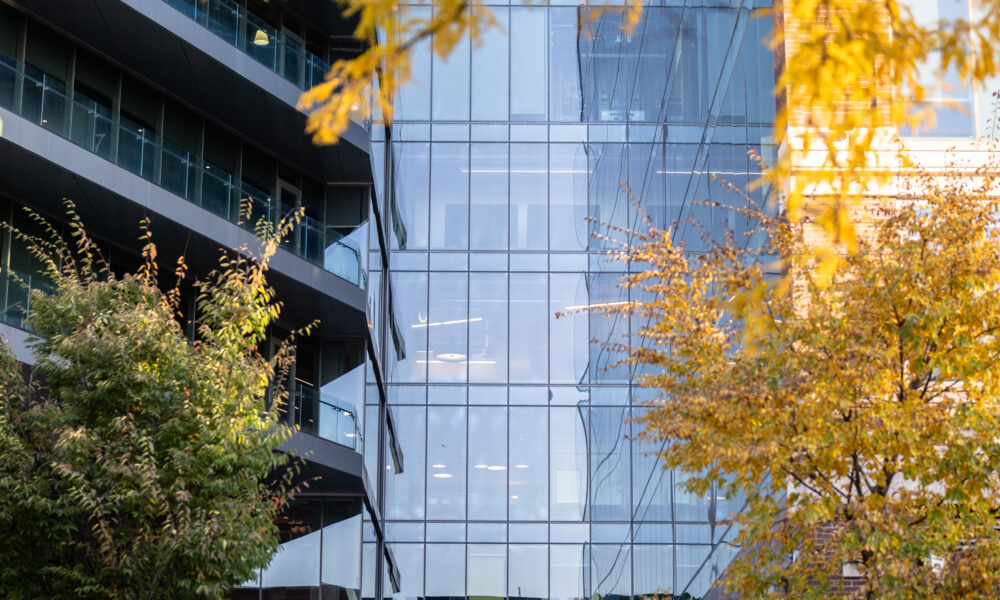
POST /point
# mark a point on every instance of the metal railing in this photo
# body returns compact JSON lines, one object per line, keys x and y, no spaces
{"x":92,"y":125}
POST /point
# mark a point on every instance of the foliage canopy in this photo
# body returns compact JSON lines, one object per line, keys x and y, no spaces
{"x":133,"y":460}
{"x":867,"y":406}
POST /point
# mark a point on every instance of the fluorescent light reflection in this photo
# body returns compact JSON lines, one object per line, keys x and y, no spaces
{"x":705,"y":173}
{"x":443,"y":475}
{"x":602,"y":305}
{"x":438,"y":323}
{"x":525,"y":171}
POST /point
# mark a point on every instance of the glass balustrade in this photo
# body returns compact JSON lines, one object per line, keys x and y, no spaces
{"x":281,"y":53}
{"x":323,"y":415}
{"x":15,"y":295}
{"x":94,"y":126}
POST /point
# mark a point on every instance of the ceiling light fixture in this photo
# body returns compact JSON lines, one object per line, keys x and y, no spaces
{"x":438,"y":466}
{"x":451,"y":356}
{"x":443,"y":475}
{"x":481,"y":466}
{"x":260,"y":38}
{"x":520,"y":466}
{"x":496,"y":468}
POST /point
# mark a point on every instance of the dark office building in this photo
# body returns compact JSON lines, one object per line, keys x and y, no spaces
{"x":181,"y":110}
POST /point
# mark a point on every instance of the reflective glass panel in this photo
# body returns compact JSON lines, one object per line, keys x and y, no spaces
{"x":528,"y":577}
{"x":488,"y":327}
{"x":450,"y":196}
{"x":447,"y":327}
{"x":528,"y":197}
{"x":446,"y":462}
{"x":488,"y":463}
{"x":529,"y":463}
{"x":487,"y":569}
{"x":528,"y":332}
{"x":445,"y":571}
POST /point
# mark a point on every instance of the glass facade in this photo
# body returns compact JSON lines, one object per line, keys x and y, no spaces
{"x":521,"y":477}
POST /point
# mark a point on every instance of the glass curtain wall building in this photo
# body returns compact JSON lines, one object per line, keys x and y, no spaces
{"x":521,"y":479}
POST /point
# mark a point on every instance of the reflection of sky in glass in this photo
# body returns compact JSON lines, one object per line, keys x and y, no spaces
{"x":519,"y":480}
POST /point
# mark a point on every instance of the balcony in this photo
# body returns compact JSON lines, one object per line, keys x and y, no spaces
{"x":322,"y":415}
{"x":15,"y":295}
{"x":260,"y":40}
{"x":92,"y":125}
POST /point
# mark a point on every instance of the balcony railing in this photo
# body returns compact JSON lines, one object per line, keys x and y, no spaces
{"x":265,"y":43}
{"x":323,"y":415}
{"x":15,"y":295}
{"x":45,"y":101}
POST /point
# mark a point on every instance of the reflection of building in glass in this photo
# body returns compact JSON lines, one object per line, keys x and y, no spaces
{"x":520,"y":479}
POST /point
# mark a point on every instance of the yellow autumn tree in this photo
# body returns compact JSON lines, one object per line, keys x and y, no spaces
{"x":860,"y":418}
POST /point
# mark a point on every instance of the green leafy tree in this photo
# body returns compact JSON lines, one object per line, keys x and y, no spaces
{"x":859,"y":417}
{"x":133,"y":460}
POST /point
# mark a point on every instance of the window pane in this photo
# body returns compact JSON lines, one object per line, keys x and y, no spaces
{"x":528,"y":351}
{"x":488,"y":198}
{"x":405,"y":491}
{"x":609,"y":464}
{"x":603,"y":290}
{"x":487,"y":567}
{"x":451,"y":84}
{"x":409,"y":215}
{"x":569,"y":357}
{"x":414,"y":99}
{"x":528,"y":197}
{"x":610,"y":571}
{"x":490,"y":71}
{"x":450,"y":196}
{"x":528,"y":577}
{"x":566,"y":568}
{"x":528,"y":64}
{"x":568,"y":457}
{"x":688,"y":506}
{"x":446,"y":463}
{"x":529,"y":465}
{"x":650,"y":481}
{"x":488,"y":463}
{"x":408,"y":361}
{"x":447,"y":325}
{"x":410,"y":561}
{"x":445,"y":570}
{"x":568,"y":197}
{"x":488,"y":327}
{"x":565,"y":99}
